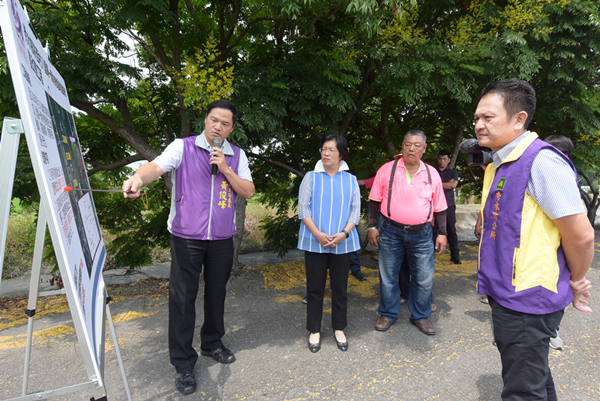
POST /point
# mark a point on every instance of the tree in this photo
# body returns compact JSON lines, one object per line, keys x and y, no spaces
{"x":301,"y":69}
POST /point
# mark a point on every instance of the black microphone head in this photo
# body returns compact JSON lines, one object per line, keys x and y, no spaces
{"x":217,"y":142}
{"x":471,"y":145}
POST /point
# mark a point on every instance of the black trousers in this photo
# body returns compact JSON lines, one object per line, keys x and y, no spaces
{"x":317,"y":265}
{"x":404,"y":279}
{"x":451,"y":229}
{"x":187,"y":258}
{"x":523,"y":340}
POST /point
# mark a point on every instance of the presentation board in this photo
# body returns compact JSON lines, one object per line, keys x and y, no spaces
{"x":58,"y":162}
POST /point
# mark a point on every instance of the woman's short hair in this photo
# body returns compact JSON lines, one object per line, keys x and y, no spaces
{"x":340,"y":142}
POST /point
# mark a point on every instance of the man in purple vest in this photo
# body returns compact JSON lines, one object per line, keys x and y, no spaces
{"x":536,"y":243}
{"x":206,"y":182}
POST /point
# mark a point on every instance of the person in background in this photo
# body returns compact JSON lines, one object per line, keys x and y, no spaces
{"x":562,"y":143}
{"x":329,"y":209}
{"x":449,"y":181}
{"x":565,"y":145}
{"x":521,"y":204}
{"x":206,"y":183}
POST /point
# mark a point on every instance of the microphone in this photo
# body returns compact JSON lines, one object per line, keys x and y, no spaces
{"x":472,"y":146}
{"x":217,"y":143}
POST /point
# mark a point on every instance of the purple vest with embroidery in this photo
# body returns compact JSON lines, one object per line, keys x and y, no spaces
{"x":502,"y":234}
{"x":198,"y":214}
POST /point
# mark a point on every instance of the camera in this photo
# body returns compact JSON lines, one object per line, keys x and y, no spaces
{"x":480,"y":158}
{"x":478,"y":155}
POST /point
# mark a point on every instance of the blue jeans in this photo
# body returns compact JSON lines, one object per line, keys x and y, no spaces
{"x":394,"y":244}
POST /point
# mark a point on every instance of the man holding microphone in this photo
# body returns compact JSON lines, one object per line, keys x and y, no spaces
{"x":209,"y":174}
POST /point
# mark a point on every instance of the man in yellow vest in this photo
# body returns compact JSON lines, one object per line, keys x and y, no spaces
{"x":536,"y":243}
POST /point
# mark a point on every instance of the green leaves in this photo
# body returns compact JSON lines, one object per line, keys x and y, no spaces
{"x":302,"y":69}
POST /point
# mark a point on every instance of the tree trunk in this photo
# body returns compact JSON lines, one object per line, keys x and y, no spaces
{"x":458,"y":133}
{"x":240,"y":221}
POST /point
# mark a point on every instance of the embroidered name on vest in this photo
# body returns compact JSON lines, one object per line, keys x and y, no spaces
{"x":496,"y":210}
{"x":225,"y":195}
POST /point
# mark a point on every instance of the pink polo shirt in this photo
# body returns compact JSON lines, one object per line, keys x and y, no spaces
{"x":410,"y":201}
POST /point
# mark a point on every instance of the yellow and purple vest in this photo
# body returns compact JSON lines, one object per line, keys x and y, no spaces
{"x":521,"y":265}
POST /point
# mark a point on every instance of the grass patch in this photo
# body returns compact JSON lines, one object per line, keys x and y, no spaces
{"x":20,"y":241}
{"x":22,"y":228}
{"x":253,"y":239}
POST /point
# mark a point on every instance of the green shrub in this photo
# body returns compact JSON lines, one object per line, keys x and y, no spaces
{"x":281,"y":231}
{"x":20,"y":239}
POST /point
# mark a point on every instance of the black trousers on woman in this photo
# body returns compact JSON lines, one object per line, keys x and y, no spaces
{"x":317,"y":265}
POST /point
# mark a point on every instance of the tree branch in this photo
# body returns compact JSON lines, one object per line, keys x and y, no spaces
{"x":112,"y":166}
{"x":239,"y":38}
{"x":367,"y":122}
{"x":130,"y":135}
{"x":193,"y":11}
{"x":299,"y":173}
{"x":312,"y":25}
{"x":161,"y":59}
{"x":362,"y":93}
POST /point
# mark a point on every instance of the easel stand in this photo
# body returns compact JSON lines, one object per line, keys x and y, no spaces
{"x":11,"y":131}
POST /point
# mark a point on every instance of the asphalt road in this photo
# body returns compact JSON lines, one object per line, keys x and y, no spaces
{"x":265,"y":321}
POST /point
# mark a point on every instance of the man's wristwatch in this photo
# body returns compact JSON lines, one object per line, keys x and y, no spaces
{"x":371,"y":228}
{"x":347,"y":233}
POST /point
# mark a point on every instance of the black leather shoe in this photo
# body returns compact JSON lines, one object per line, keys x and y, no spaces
{"x":456,"y":261}
{"x":221,"y":355}
{"x":186,"y":383}
{"x":342,"y":346}
{"x":314,"y":347}
{"x":359,"y":275}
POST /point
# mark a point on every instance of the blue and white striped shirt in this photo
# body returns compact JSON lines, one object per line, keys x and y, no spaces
{"x":552,"y":183}
{"x":331,"y":202}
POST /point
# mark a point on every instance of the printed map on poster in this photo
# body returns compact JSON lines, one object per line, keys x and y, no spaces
{"x":58,"y":162}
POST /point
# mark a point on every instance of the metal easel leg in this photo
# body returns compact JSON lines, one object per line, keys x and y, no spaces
{"x":9,"y":149}
{"x":34,"y":288}
{"x":113,"y":333}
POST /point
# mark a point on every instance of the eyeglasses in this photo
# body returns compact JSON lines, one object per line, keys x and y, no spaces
{"x":330,"y":150}
{"x":417,"y":146}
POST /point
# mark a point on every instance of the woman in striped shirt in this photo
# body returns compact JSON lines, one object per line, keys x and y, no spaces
{"x":329,"y":207}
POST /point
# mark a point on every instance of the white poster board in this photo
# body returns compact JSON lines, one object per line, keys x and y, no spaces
{"x":58,"y":162}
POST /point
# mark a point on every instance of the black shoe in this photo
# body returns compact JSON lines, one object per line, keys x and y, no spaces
{"x":186,"y":383}
{"x":305,"y":299}
{"x":456,"y":260}
{"x":359,"y":275}
{"x":314,"y":347}
{"x":221,"y":355}
{"x":342,"y":346}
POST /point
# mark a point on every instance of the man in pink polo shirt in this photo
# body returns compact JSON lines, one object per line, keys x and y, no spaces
{"x":400,"y":223}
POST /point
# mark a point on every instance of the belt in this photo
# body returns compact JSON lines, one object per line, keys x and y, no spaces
{"x":407,"y":227}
